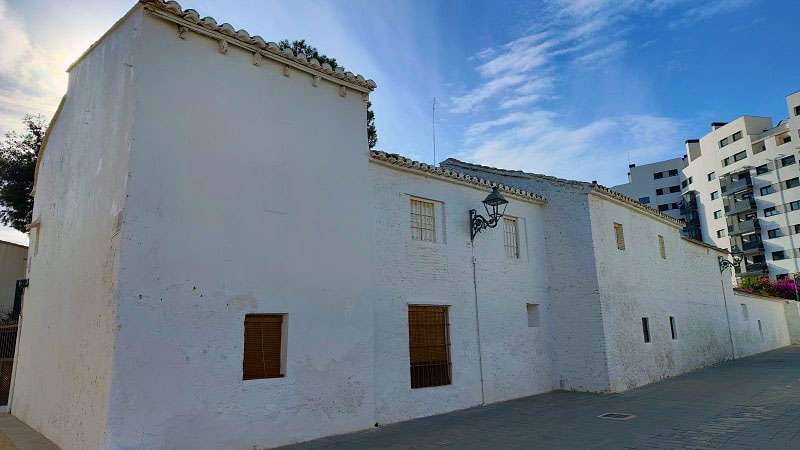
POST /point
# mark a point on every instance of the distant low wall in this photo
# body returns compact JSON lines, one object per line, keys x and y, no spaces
{"x":759,"y":324}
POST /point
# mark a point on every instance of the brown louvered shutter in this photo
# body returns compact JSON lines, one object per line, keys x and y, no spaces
{"x":429,"y":346}
{"x":262,"y":346}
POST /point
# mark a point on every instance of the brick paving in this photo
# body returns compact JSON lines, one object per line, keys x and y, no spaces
{"x":750,"y":403}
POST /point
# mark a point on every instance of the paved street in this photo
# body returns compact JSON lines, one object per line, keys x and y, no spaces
{"x":749,"y":403}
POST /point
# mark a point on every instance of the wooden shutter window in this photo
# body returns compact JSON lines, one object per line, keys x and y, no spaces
{"x":262,"y":346}
{"x":429,"y":346}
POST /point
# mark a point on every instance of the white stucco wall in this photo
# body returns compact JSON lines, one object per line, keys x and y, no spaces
{"x":64,"y":359}
{"x":777,"y":325}
{"x":637,"y":283}
{"x":515,"y":357}
{"x":247,"y":194}
{"x":13,"y":258}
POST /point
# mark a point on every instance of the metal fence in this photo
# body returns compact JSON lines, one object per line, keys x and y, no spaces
{"x":8,"y":340}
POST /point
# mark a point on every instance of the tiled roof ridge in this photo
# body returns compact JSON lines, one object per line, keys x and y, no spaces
{"x":395,"y":159}
{"x":271,"y":48}
{"x":594,"y":186}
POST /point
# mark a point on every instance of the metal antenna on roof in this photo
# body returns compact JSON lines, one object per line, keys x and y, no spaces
{"x":433,"y":124}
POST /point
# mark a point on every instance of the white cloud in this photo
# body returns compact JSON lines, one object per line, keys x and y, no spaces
{"x":707,"y":10}
{"x":31,"y":80}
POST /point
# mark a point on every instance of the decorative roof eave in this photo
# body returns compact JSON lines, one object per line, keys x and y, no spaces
{"x":189,"y":19}
{"x":396,"y":161}
{"x":703,"y":244}
{"x":586,"y":187}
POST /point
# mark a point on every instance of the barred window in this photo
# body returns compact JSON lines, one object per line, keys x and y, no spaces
{"x":429,"y":346}
{"x":422,"y":221}
{"x":620,"y":236}
{"x":511,"y":237}
{"x":262,"y":346}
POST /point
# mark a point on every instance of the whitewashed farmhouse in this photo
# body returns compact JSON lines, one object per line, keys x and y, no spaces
{"x":205,"y":273}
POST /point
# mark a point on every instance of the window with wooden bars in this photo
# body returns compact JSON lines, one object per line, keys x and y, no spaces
{"x":423,"y":223}
{"x":263,"y":358}
{"x":429,"y":346}
{"x":620,"y":236}
{"x":661,"y":248}
{"x":511,"y":237}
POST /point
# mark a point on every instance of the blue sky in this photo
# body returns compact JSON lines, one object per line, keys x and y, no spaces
{"x":572,"y":88}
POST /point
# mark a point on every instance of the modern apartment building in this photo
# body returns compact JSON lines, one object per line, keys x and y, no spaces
{"x":742,"y":191}
{"x":657,"y":185}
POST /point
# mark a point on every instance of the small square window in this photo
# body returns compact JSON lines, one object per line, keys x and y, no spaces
{"x":423,"y":223}
{"x":511,"y":237}
{"x":644,"y":200}
{"x":676,"y":205}
{"x":766,"y":190}
{"x":533,"y":315}
{"x":724,"y":142}
{"x":726,"y":162}
{"x":736,"y":136}
{"x":714,"y":195}
{"x":762,"y":169}
{"x":795,"y":205}
{"x":620,"y":236}
{"x":787,"y":161}
{"x":718,"y":214}
{"x":720,"y":233}
{"x":771,"y":211}
{"x":792,"y":183}
{"x":684,"y":183}
{"x":673,"y":172}
{"x":646,"y":329}
{"x":690,"y":180}
{"x":263,"y":346}
{"x":663,"y":208}
{"x":774,"y":233}
{"x":797,"y":110}
{"x":672,"y":328}
{"x":711,"y":176}
{"x":658,"y":175}
{"x":779,"y":255}
{"x":673,"y":189}
{"x":659,"y":191}
{"x":797,"y":228}
{"x":787,"y":139}
{"x":740,"y":156}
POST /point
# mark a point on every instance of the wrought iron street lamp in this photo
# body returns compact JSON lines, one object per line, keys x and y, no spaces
{"x":479,"y":223}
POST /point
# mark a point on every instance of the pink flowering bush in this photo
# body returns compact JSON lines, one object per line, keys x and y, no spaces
{"x":764,"y":286}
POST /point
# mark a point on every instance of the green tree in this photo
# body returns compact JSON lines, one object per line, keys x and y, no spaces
{"x":312,"y":52}
{"x":18,"y":155}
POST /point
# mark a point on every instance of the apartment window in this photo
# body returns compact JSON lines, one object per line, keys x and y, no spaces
{"x":711,"y":176}
{"x":787,"y":161}
{"x":718,"y":214}
{"x":745,"y":315}
{"x":646,"y":329}
{"x":724,"y":142}
{"x":792,"y":183}
{"x":779,"y":255}
{"x":762,"y":169}
{"x":675,"y":206}
{"x":673,"y":189}
{"x":422,"y":221}
{"x":429,"y":346}
{"x":740,"y":156}
{"x":797,"y":110}
{"x":795,"y":205}
{"x":661,"y":248}
{"x":766,"y":190}
{"x":663,"y":208}
{"x":533,"y":315}
{"x":511,"y":237}
{"x":673,"y":172}
{"x":644,"y":200}
{"x":658,"y":175}
{"x":672,"y":328}
{"x":797,"y":228}
{"x":684,"y":183}
{"x":690,"y":179}
{"x":620,"y":236}
{"x":659,"y":191}
{"x":726,"y":162}
{"x":772,"y":234}
{"x":771,"y":211}
{"x":736,"y":136}
{"x":714,"y":195}
{"x":263,"y":346}
{"x":786,"y":139}
{"x":721,"y":233}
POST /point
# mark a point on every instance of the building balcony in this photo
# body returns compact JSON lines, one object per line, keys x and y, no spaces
{"x":748,"y":248}
{"x":741,"y":206}
{"x":753,"y":269}
{"x":744,"y":227}
{"x":735,"y":187}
